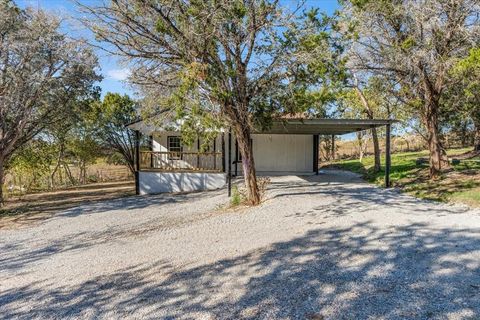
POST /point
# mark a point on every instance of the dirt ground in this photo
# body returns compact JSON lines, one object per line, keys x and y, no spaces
{"x":39,"y":206}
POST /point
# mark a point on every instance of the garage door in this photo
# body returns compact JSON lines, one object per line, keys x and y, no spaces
{"x":279,"y":152}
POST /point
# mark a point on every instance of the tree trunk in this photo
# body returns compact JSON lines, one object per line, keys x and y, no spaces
{"x":476,"y":141}
{"x":68,"y":173}
{"x":369,"y":112}
{"x":248,"y":164}
{"x":360,"y":145}
{"x":57,"y":165}
{"x":408,"y":144}
{"x":438,"y":156}
{"x":2,"y":180}
{"x":464,"y":135}
{"x":376,"y":150}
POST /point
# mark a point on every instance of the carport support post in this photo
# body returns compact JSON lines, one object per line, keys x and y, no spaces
{"x":229,"y":174}
{"x":388,"y":159}
{"x":137,"y":162}
{"x":316,"y":142}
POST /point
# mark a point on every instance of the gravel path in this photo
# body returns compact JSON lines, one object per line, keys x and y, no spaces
{"x":322,"y":247}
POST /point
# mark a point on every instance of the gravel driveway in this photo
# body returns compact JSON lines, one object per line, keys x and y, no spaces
{"x":321,"y":247}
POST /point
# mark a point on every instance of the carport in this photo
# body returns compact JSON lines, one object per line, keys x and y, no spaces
{"x":332,"y":127}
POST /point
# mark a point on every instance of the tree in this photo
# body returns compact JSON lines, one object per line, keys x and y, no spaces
{"x":415,"y":43}
{"x":369,"y":98}
{"x":229,"y":62}
{"x":111,"y":117}
{"x":41,"y":72}
{"x":78,"y":115}
{"x":84,"y":149}
{"x":465,"y":96}
{"x":31,"y":163}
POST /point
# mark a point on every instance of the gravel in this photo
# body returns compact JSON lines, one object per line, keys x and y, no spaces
{"x":321,"y":247}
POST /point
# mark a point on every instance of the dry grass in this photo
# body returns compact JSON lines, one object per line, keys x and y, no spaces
{"x":38,"y":206}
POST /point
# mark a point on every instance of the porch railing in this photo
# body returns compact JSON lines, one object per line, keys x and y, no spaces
{"x":181,"y":161}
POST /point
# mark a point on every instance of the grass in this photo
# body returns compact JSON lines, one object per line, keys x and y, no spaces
{"x":470,"y":197}
{"x":462,"y":184}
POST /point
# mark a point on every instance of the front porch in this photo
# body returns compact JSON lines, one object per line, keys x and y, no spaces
{"x":166,"y":161}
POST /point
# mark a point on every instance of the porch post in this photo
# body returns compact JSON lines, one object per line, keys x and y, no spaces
{"x":387,"y":157}
{"x":151,"y":151}
{"x":198,"y":153}
{"x":137,"y":162}
{"x":236,"y":157}
{"x":229,"y":175}
{"x":333,"y":147}
{"x":215,"y":153}
{"x":223,"y":152}
{"x":315,"y":153}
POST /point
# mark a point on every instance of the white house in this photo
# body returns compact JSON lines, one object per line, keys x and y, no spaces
{"x":289,"y":147}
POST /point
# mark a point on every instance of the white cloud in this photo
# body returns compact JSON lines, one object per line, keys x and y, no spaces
{"x":118,"y":74}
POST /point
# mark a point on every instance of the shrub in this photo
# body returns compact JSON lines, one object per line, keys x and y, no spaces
{"x":239,"y":195}
{"x":236,"y":198}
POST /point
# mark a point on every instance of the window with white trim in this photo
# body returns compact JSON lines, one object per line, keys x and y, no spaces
{"x":174,"y":146}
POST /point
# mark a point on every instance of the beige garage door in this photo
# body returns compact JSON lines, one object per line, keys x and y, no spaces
{"x":279,"y":152}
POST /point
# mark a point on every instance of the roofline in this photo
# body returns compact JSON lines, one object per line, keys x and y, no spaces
{"x":280,"y":125}
{"x":336,"y":120}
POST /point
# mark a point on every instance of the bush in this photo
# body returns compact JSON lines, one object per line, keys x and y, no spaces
{"x":236,"y":198}
{"x":239,"y":195}
{"x":93,"y":178}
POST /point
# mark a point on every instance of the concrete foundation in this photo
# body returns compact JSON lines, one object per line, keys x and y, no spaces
{"x":152,"y":182}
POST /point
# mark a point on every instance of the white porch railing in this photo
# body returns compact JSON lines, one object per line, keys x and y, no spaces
{"x":181,"y":161}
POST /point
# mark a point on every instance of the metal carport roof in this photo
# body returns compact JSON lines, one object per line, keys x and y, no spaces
{"x":322,"y":126}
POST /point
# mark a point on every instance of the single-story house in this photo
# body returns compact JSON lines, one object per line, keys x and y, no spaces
{"x":288,"y":147}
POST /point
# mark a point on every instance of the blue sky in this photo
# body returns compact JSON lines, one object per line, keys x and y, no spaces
{"x":113,"y":72}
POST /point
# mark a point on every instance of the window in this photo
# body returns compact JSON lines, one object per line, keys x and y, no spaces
{"x":174,"y":145}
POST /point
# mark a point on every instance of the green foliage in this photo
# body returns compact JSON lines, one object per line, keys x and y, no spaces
{"x":468,"y":71}
{"x":236,"y":198}
{"x":317,"y":66}
{"x":115,"y":110}
{"x":413,"y":178}
{"x":461,"y":100}
{"x":84,"y":148}
{"x":109,"y":119}
{"x":471,"y":63}
{"x":408,"y":43}
{"x":115,"y":158}
{"x":32,"y":163}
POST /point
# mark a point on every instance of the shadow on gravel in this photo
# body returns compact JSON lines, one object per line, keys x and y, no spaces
{"x":134,"y":202}
{"x":20,"y":255}
{"x":412,"y":272}
{"x":76,"y":201}
{"x":351,"y":195}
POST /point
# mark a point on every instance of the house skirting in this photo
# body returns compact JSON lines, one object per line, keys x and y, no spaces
{"x":278,"y":173}
{"x":151,"y":182}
